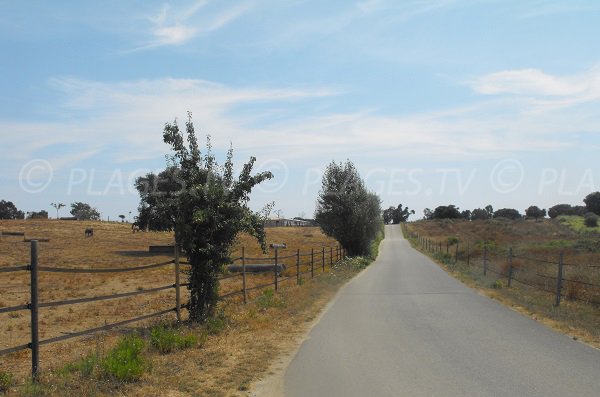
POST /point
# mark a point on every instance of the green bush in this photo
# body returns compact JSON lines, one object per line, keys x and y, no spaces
{"x":6,"y":381}
{"x":125,"y":362}
{"x":591,"y":220}
{"x":269,"y":299}
{"x":216,"y":324}
{"x":165,"y":340}
{"x":86,"y":366}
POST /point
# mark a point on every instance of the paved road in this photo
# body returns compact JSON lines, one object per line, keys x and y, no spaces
{"x":406,"y":328}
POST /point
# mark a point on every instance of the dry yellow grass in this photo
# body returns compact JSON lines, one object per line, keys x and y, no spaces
{"x":113,"y":245}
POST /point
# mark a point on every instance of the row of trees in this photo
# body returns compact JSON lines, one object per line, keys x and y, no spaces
{"x":207,"y":208}
{"x":395,"y":215}
{"x":592,"y":206}
{"x":79,"y":210}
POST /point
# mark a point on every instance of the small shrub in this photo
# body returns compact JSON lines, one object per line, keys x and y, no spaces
{"x":591,"y":220}
{"x":6,"y":381}
{"x":216,"y":324}
{"x":269,"y":299}
{"x":443,"y":257}
{"x":165,"y":340}
{"x":498,"y":284}
{"x":86,"y":366}
{"x":125,"y":362}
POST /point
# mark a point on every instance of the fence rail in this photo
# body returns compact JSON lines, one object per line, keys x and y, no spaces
{"x":326,"y":257}
{"x":555,"y":276}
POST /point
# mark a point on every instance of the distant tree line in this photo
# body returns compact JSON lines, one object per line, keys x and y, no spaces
{"x":395,"y":215}
{"x":590,"y":211}
{"x":80,"y":211}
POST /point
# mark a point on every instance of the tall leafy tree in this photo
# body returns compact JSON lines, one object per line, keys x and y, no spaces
{"x":9,"y":211}
{"x":57,"y":206}
{"x":84,"y":212}
{"x":209,"y":212}
{"x":346,"y":210}
{"x":535,"y":212}
{"x":157,"y":192}
{"x":592,"y":202}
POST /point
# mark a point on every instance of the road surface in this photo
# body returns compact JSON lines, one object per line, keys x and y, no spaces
{"x":406,"y":328}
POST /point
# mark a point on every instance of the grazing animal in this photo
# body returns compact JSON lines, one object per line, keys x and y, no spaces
{"x":89,"y":232}
{"x":135,"y":228}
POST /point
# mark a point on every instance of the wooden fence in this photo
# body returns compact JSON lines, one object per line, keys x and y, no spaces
{"x":305,"y":263}
{"x":580,"y":282}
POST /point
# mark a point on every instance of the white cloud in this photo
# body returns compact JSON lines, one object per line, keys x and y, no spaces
{"x":179,"y":26}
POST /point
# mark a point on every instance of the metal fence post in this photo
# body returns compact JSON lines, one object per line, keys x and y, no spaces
{"x":276,"y":281}
{"x":510,"y":266}
{"x":312,"y":263}
{"x":33,"y":306}
{"x":559,"y":278}
{"x":298,"y":267}
{"x":244,"y":275}
{"x":485,"y":260}
{"x":177,"y":285}
{"x":323,"y":258}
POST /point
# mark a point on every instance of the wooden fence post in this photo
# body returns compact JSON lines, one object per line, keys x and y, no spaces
{"x":177,"y":285}
{"x":468,"y":253}
{"x":312,"y":263}
{"x":323,"y":258}
{"x":447,"y":247}
{"x":33,"y":306}
{"x":559,"y":278}
{"x":456,"y":254}
{"x":510,"y":266}
{"x":244,"y":275}
{"x":275,"y":268}
{"x":330,"y":256}
{"x":485,"y":260}
{"x":298,"y":267}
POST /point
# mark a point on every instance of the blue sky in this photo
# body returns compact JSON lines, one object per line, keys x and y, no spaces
{"x":437,"y":102}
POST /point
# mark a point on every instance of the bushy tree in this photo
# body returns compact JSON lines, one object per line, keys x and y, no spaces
{"x":209,"y":212}
{"x":508,"y":213}
{"x":156,"y":211}
{"x":592,"y":202}
{"x":479,"y":214}
{"x":84,"y":212}
{"x":9,"y":211}
{"x":346,"y":210}
{"x":43,"y":214}
{"x":396,"y":215}
{"x":466,"y":215}
{"x":446,"y":212}
{"x":566,"y":209}
{"x":535,"y":212}
{"x":591,"y":219}
{"x":388,"y":215}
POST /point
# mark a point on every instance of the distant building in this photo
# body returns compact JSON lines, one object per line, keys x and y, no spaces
{"x":275,"y":221}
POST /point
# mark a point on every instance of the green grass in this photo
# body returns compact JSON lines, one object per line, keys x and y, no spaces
{"x":6,"y":381}
{"x":269,"y":299}
{"x":577,"y":224}
{"x":167,"y":339}
{"x":125,"y":362}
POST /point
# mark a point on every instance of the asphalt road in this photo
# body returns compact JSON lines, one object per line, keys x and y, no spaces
{"x":406,"y":328}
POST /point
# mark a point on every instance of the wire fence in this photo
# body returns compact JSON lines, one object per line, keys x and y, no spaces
{"x":281,"y":267}
{"x":553,"y":275}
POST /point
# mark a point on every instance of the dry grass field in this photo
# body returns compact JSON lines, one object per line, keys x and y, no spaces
{"x":537,"y":246}
{"x":113,"y":245}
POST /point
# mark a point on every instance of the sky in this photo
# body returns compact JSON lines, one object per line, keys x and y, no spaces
{"x":464,"y":102}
